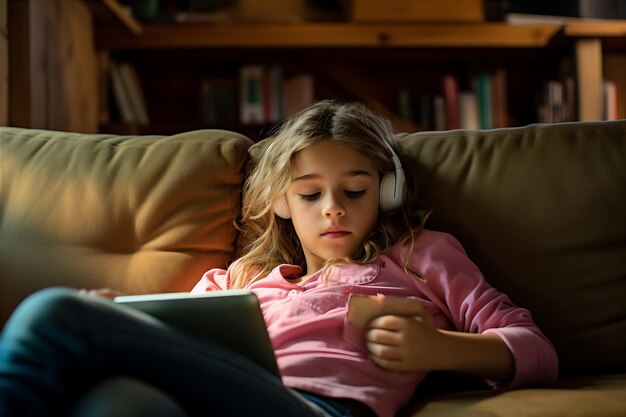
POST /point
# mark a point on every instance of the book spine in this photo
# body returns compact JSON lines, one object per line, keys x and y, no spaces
{"x":135,"y":93}
{"x":468,"y":110}
{"x":121,"y":95}
{"x":610,"y":100}
{"x":484,"y":98}
{"x":615,"y":71}
{"x":499,"y":99}
{"x":451,"y":100}
{"x":439,"y":107}
{"x":251,"y":99}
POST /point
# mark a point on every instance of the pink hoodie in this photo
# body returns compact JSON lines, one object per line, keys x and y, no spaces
{"x":306,"y":321}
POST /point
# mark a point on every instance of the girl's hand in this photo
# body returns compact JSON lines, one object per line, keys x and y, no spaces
{"x":400,"y":343}
{"x":100,"y":292}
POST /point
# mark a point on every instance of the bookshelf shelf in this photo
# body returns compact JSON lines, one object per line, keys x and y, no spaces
{"x":328,"y":35}
{"x":596,"y":29}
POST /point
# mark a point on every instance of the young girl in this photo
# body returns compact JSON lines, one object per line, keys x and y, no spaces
{"x":330,"y":218}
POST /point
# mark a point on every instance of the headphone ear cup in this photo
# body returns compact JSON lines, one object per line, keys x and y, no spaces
{"x":392,"y":190}
{"x":281,"y":209}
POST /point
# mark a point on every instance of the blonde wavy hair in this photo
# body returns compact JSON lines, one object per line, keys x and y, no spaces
{"x":273,"y":240}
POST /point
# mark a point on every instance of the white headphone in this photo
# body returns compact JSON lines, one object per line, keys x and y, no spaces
{"x":391,"y":189}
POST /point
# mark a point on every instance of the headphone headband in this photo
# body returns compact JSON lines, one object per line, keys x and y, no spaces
{"x":392,"y":184}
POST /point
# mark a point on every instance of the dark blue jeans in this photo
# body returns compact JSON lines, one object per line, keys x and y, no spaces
{"x":58,"y":345}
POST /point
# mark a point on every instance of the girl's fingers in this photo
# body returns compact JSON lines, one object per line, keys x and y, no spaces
{"x":387,"y":352}
{"x":389,"y":322}
{"x":384,"y":337}
{"x":394,"y":322}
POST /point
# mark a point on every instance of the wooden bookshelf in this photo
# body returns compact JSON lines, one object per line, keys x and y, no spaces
{"x":588,"y":48}
{"x":382,"y":41}
{"x":328,"y":35}
{"x":351,"y":60}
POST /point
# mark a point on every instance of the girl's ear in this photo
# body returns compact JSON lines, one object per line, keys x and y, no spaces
{"x":281,"y":209}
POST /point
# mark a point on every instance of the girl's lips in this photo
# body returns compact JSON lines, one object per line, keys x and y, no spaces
{"x":335,"y":235}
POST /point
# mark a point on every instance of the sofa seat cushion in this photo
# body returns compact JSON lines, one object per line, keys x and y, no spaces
{"x":602,"y":396}
{"x":138,"y":214}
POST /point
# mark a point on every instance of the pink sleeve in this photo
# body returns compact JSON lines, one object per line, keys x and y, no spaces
{"x":459,"y":289}
{"x":215,"y":279}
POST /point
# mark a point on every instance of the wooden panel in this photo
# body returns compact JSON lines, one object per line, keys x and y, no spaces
{"x":72,"y":69}
{"x":52,"y":66}
{"x":4,"y":65}
{"x":329,"y":35}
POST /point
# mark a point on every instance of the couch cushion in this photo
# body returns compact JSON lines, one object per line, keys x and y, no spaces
{"x":139,"y":214}
{"x":603,"y":396}
{"x":542,"y":210}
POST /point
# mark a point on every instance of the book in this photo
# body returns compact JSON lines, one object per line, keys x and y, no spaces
{"x":483,"y":88}
{"x":469,"y":117}
{"x":614,"y":66}
{"x":451,"y":101}
{"x":218,"y":101}
{"x":609,"y":90}
{"x":569,"y":85}
{"x":499,"y":98}
{"x":121,"y":95}
{"x":251,"y":98}
{"x":135,"y":93}
{"x":275,"y":76}
{"x":298,"y":92}
{"x":439,"y":110}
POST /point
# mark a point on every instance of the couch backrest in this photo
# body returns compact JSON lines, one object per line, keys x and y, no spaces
{"x":542,"y":211}
{"x":139,"y":214}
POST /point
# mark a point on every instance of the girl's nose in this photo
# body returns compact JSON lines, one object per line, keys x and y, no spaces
{"x":333,"y":208}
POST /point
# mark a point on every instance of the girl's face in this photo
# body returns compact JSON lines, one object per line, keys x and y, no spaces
{"x":334,"y":201}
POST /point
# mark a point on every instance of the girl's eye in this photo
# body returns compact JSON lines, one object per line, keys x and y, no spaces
{"x":310,"y":197}
{"x":354,"y":194}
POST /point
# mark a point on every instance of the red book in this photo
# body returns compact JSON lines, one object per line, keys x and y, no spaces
{"x":451,"y":99}
{"x":499,"y":99}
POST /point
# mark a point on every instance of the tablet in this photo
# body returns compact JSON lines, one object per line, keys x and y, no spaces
{"x":231,"y":318}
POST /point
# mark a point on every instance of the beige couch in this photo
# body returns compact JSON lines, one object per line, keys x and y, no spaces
{"x":541,"y":209}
